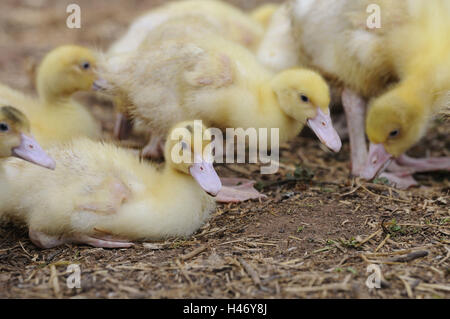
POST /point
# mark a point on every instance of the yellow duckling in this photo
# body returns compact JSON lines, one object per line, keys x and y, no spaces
{"x":366,"y":47}
{"x":202,"y":76}
{"x":105,"y":196}
{"x":55,"y":116}
{"x":15,"y":140}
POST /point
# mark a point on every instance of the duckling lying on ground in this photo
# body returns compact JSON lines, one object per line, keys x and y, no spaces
{"x":55,"y":116}
{"x":15,"y":140}
{"x":216,"y":17}
{"x":410,"y":47}
{"x":178,"y":74}
{"x":105,"y":196}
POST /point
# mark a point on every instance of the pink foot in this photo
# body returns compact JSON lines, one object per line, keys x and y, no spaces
{"x":235,"y":190}
{"x":43,"y":240}
{"x":399,"y":180}
{"x":355,"y":108}
{"x":420,"y":165}
{"x":154,"y":149}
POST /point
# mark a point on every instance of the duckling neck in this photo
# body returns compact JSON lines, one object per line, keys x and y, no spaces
{"x":50,"y":98}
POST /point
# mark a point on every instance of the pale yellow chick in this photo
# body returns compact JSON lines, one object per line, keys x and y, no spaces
{"x":54,"y":115}
{"x":203,"y":76}
{"x":105,"y":196}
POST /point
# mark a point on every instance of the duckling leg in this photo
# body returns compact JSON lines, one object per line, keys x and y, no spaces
{"x":122,"y":127}
{"x":355,"y":107}
{"x":45,"y":241}
{"x":155,"y":148}
{"x":235,"y":190}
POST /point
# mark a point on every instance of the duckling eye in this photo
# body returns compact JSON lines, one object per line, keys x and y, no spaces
{"x":4,"y":127}
{"x":86,"y":65}
{"x":304,"y":98}
{"x":394,"y":133}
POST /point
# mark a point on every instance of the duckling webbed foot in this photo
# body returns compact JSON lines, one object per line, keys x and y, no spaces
{"x":235,"y":190}
{"x":45,"y":241}
{"x":355,"y":109}
{"x":420,"y":165}
{"x":399,"y":180}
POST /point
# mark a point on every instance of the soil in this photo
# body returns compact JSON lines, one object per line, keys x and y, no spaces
{"x":314,"y":236}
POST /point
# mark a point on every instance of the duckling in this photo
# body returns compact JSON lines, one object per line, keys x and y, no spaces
{"x":55,"y":116}
{"x":105,"y":196}
{"x":263,"y":14}
{"x":212,"y":16}
{"x":16,"y":141}
{"x":203,"y":76}
{"x":367,"y":62}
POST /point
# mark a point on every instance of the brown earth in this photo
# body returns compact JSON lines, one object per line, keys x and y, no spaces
{"x":314,"y":236}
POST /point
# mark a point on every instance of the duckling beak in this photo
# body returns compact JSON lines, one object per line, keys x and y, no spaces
{"x":377,"y":161}
{"x":206,"y":177}
{"x":29,"y":150}
{"x":322,"y":126}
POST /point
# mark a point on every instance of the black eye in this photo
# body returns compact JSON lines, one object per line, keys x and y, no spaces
{"x":86,"y":65}
{"x":304,"y":98}
{"x":4,"y":127}
{"x":394,"y":133}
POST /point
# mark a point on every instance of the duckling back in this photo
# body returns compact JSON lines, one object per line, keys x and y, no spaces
{"x":227,"y":20}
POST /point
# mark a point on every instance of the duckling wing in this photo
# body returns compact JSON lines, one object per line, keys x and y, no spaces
{"x":160,"y":80}
{"x":106,"y":197}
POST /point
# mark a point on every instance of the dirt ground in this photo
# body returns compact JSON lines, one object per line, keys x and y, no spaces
{"x":314,"y":236}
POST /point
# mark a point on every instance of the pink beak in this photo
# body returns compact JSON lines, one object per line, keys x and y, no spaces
{"x":323,"y":128}
{"x":29,"y":150}
{"x":206,"y":177}
{"x":377,"y":161}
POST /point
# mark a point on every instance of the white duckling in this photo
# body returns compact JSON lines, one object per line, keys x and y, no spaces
{"x":105,"y":196}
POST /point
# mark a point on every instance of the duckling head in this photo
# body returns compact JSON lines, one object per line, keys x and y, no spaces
{"x":393,"y":125}
{"x":64,"y":71}
{"x":16,"y":141}
{"x":189,"y":150}
{"x":304,"y":95}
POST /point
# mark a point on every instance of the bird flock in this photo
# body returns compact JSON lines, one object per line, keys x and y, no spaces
{"x":191,"y":65}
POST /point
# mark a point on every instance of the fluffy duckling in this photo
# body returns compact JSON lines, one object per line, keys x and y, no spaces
{"x":15,"y":140}
{"x":55,"y":116}
{"x":105,"y":196}
{"x":409,"y":48}
{"x":212,"y":16}
{"x":202,"y":76}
